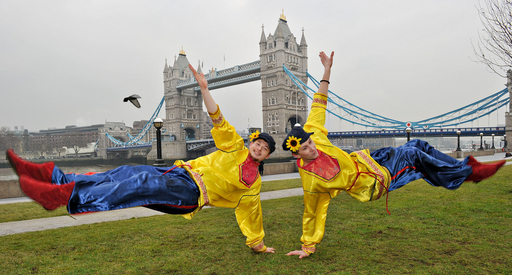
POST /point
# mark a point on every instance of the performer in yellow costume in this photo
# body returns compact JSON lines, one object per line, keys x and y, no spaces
{"x":229,"y":177}
{"x":326,"y":170}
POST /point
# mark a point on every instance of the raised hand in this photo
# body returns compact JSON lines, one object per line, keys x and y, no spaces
{"x":201,"y":80}
{"x":326,"y":61}
{"x":209,"y":102}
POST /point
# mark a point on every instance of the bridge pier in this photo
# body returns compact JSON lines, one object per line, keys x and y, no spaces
{"x":508,"y":115}
{"x":508,"y":127}
{"x":171,"y":150}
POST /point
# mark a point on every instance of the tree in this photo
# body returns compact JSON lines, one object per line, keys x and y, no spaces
{"x":75,"y":141}
{"x":41,"y":148}
{"x":494,"y":47}
{"x":9,"y":140}
{"x":60,"y":150}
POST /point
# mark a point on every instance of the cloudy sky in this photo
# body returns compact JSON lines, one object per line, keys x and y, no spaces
{"x":72,"y":62}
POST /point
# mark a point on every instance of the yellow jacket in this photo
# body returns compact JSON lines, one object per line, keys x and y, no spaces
{"x":229,"y":178}
{"x":331,"y":173}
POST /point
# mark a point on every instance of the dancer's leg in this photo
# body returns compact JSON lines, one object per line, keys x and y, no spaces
{"x":39,"y":171}
{"x":47,"y":195}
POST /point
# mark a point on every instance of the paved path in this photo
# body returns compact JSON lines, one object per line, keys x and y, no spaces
{"x":10,"y":228}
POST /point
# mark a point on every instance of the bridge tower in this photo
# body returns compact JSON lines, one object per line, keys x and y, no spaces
{"x":283,"y":103}
{"x":183,"y":108}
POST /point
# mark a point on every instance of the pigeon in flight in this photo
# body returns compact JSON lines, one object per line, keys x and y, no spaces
{"x":133,"y":100}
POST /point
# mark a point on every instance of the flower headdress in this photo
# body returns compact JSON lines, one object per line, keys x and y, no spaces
{"x":254,"y":135}
{"x":293,"y":143}
{"x":294,"y":137}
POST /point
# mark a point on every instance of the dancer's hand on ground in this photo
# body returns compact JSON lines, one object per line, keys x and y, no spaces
{"x":270,"y":250}
{"x":299,"y":253}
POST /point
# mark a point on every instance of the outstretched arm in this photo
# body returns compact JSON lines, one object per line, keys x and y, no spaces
{"x":211,"y":105}
{"x":327,"y":62}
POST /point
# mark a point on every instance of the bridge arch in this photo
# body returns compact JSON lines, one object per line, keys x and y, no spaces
{"x":190,"y":134}
{"x":292,"y":120}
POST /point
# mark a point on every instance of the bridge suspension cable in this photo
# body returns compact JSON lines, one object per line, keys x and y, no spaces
{"x":136,"y":140}
{"x":351,"y":113}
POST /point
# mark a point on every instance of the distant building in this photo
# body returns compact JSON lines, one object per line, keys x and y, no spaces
{"x":70,"y":136}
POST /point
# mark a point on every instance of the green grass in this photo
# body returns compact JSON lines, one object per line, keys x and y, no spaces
{"x":280,"y":184}
{"x":430,"y":231}
{"x":32,"y":210}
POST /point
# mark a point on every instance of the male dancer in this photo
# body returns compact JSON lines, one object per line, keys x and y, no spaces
{"x":227,"y":178}
{"x":326,"y":170}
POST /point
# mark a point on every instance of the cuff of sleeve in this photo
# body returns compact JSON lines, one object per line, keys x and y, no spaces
{"x":217,"y":117}
{"x":310,"y":249}
{"x":319,"y":100}
{"x":259,"y":247}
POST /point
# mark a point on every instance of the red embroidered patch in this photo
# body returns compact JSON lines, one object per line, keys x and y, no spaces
{"x":326,"y":167}
{"x":319,"y":100}
{"x":248,"y":171}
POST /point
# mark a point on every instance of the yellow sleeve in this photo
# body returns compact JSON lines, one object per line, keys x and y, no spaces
{"x":224,"y":134}
{"x":313,"y":222}
{"x":316,"y":119}
{"x":250,"y":220}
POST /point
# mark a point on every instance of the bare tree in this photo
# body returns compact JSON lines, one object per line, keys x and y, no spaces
{"x":41,"y":148}
{"x":76,"y":149}
{"x":494,"y":47}
{"x":75,"y":141}
{"x":9,"y":140}
{"x":60,"y":150}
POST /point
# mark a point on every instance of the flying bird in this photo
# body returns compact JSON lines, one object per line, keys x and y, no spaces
{"x":133,"y":100}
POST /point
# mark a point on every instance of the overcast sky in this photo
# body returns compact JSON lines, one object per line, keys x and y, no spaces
{"x":72,"y":62}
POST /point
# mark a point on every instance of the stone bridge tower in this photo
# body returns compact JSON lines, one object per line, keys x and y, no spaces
{"x":183,"y":108}
{"x":283,"y":103}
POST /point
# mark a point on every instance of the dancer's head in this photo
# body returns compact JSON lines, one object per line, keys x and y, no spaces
{"x":262,"y":145}
{"x":300,"y":144}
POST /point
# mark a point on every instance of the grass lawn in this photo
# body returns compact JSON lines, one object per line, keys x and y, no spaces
{"x":430,"y":231}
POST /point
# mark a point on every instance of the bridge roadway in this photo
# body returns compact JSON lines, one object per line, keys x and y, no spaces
{"x":228,"y":77}
{"x":192,"y":145}
{"x":416,"y":133}
{"x":195,"y":145}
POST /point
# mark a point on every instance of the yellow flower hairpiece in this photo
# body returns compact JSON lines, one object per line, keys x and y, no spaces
{"x":254,"y":135}
{"x":293,"y":143}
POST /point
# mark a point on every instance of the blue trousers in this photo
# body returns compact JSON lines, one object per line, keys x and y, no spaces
{"x":418,"y":160}
{"x":128,"y":186}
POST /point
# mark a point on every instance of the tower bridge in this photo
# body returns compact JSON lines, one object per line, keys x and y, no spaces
{"x":282,"y":70}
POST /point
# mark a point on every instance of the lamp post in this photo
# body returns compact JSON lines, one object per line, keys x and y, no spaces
{"x":458,"y":141}
{"x":158,"y":123}
{"x":492,"y":147}
{"x":481,"y":142}
{"x":408,"y":131}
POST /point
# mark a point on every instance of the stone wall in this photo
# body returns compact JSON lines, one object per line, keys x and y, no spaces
{"x":280,"y":168}
{"x":10,"y":189}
